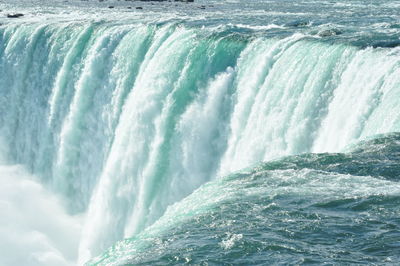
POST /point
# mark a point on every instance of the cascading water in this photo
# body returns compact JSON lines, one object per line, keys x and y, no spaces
{"x":124,"y":120}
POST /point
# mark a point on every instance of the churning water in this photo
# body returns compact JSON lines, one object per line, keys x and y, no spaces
{"x":240,"y":132}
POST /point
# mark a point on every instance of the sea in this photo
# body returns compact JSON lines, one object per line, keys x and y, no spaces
{"x":213,"y":132}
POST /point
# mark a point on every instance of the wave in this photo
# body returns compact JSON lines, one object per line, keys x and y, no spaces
{"x":303,"y":209}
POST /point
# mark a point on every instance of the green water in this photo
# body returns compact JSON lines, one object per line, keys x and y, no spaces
{"x":334,"y":209}
{"x":129,"y":131}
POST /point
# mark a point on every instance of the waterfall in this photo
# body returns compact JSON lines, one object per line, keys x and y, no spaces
{"x":124,"y":120}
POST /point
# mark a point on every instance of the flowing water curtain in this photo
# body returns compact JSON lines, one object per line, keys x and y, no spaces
{"x":125,"y":120}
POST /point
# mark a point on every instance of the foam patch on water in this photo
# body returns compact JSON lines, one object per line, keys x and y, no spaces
{"x":263,"y":27}
{"x":230,"y":241}
{"x":34,"y":227}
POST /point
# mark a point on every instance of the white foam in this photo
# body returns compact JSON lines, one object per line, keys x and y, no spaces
{"x":263,"y":27}
{"x":34,"y":227}
{"x":230,"y":241}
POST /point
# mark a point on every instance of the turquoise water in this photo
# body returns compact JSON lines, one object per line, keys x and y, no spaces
{"x":331,"y":209}
{"x":138,"y":124}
